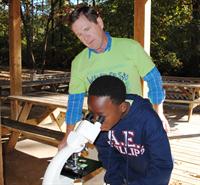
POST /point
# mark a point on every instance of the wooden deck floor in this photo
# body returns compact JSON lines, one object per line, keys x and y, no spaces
{"x":186,"y":153}
{"x":184,"y":140}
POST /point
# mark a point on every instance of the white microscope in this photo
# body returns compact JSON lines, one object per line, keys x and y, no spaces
{"x":66,"y":165}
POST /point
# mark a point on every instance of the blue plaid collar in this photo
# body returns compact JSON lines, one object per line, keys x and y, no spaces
{"x":108,"y":46}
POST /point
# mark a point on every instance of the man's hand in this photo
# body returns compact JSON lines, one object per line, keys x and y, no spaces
{"x":63,"y":143}
{"x":164,"y":122}
{"x":159,"y":110}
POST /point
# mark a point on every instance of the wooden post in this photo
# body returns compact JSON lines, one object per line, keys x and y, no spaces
{"x":142,"y":27}
{"x":15,"y":56}
{"x":15,"y":53}
{"x":1,"y":157}
{"x":1,"y":163}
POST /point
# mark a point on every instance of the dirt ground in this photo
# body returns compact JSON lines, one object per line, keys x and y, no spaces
{"x":23,"y":169}
{"x":27,"y":164}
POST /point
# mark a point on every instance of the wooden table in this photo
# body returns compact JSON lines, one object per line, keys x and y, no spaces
{"x":53,"y":85}
{"x":184,"y":90}
{"x":54,"y":107}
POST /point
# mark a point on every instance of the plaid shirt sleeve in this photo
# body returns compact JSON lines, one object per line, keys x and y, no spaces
{"x":154,"y":81}
{"x":74,"y":108}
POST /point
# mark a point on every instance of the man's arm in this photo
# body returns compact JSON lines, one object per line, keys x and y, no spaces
{"x":73,"y":115}
{"x":156,"y":94}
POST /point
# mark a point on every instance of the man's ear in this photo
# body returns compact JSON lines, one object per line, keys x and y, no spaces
{"x":100,"y":22}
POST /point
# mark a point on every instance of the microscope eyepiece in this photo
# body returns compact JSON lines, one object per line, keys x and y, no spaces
{"x":89,"y":117}
{"x":101,"y":119}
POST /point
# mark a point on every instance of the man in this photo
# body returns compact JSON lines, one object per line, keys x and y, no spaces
{"x":132,"y":145}
{"x":120,"y":57}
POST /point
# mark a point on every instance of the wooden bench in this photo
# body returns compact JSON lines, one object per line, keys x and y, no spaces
{"x":184,"y":90}
{"x":33,"y":132}
{"x":54,"y":107}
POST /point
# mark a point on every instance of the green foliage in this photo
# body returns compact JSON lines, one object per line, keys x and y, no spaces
{"x":175,"y":30}
{"x":174,"y":38}
{"x":4,"y":48}
{"x":118,"y":17}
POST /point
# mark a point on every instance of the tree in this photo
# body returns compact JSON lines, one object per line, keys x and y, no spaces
{"x":173,"y":27}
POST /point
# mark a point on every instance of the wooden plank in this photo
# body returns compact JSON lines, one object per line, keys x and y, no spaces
{"x":185,"y":146}
{"x":23,"y":115}
{"x":54,"y":119}
{"x":187,"y":151}
{"x":184,"y":142}
{"x":33,"y":132}
{"x":46,"y":99}
{"x":183,"y":101}
{"x":25,"y":112}
{"x":183,"y":179}
{"x":32,"y":129}
{"x":189,"y":172}
{"x":36,"y":137}
{"x":186,"y":167}
{"x":186,"y":161}
{"x":195,"y":140}
{"x":60,"y":118}
{"x":43,"y":97}
{"x":41,"y":139}
{"x":189,"y":158}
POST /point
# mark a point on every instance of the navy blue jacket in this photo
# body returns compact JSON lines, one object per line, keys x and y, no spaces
{"x":136,"y":151}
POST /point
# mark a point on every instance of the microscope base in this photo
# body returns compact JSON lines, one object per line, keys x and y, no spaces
{"x":85,"y":168}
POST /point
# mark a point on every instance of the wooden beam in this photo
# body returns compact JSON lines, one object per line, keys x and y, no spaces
{"x":15,"y":53}
{"x":142,"y":27}
{"x":142,"y":23}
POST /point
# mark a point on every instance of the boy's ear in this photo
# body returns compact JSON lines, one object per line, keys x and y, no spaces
{"x":123,"y":106}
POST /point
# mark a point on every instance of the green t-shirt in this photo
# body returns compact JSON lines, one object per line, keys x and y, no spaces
{"x":126,"y":60}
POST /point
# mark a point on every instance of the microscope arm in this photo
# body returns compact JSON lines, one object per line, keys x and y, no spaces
{"x":85,"y":132}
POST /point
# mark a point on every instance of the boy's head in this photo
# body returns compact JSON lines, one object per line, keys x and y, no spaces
{"x":106,"y":97}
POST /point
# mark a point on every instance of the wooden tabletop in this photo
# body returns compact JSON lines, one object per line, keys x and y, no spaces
{"x":46,"y":98}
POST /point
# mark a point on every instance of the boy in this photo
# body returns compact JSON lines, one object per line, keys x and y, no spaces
{"x":132,"y":146}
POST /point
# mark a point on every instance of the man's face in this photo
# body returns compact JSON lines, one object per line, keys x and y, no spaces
{"x":103,"y":106}
{"x":89,"y":33}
